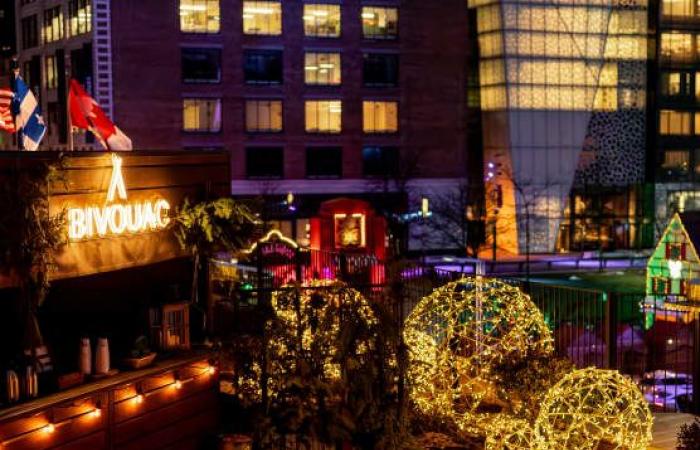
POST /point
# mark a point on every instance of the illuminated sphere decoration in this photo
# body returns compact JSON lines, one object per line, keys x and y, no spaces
{"x":508,"y":433}
{"x":589,"y":407}
{"x":328,"y":311}
{"x":457,"y":335}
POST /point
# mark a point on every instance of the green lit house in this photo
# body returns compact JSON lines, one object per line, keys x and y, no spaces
{"x":673,"y":270}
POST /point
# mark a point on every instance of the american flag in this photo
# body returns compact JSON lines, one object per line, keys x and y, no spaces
{"x":6,"y":122}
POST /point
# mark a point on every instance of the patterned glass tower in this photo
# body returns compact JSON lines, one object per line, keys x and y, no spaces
{"x":563,"y":95}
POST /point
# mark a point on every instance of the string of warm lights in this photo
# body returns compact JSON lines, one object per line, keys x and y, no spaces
{"x":316,"y":313}
{"x":96,"y":412}
{"x":456,"y":336}
{"x":589,"y":407}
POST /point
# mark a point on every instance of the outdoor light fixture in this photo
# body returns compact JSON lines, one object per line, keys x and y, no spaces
{"x":49,"y":428}
{"x":211,"y":370}
{"x":138,"y":399}
{"x":425,"y":207}
{"x":96,"y":413}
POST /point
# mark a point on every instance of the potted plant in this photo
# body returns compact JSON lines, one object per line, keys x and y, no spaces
{"x":141,"y":355}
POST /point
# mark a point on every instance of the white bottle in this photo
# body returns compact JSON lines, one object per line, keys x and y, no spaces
{"x":85,"y":356}
{"x":102,"y":356}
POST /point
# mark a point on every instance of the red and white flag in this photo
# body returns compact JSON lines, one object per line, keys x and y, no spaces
{"x":6,"y":121}
{"x":85,"y":113}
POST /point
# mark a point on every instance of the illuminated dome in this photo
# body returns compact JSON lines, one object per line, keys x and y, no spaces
{"x":591,"y":406}
{"x":457,"y":335}
{"x":326,"y":309}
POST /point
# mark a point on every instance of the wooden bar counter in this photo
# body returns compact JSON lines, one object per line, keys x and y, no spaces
{"x":170,"y":405}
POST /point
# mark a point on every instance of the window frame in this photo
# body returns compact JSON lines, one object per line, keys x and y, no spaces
{"x":309,"y":156}
{"x":257,"y":5}
{"x":263,"y":131}
{"x":199,"y":30}
{"x":375,"y":131}
{"x":203,"y":131}
{"x":377,"y":36}
{"x":260,"y":51}
{"x":339,"y":54}
{"x":184,"y":49}
{"x":248,"y":163}
{"x":396,"y":58}
{"x":331,"y":103}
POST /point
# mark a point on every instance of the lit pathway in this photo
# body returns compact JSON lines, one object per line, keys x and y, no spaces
{"x":666,"y":426}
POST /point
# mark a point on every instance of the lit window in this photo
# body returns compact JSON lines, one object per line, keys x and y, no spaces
{"x":677,"y":8}
{"x":201,"y":65}
{"x":201,"y":115}
{"x":79,"y":16}
{"x":696,"y":123}
{"x":677,"y":46}
{"x":674,"y":122}
{"x":323,"y":116}
{"x":380,"y":117}
{"x":199,"y":16}
{"x":263,"y":116}
{"x":53,"y":24}
{"x":51,"y":72}
{"x":322,"y":20}
{"x":675,"y":84}
{"x":676,"y":163}
{"x":263,"y":18}
{"x":322,"y":68}
{"x":380,"y":23}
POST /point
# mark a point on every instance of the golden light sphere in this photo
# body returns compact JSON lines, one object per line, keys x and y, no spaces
{"x":509,"y":433}
{"x":457,"y":335}
{"x":313,"y":318}
{"x":592,"y":406}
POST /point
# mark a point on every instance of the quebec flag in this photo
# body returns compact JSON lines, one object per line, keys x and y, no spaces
{"x":28,"y":116}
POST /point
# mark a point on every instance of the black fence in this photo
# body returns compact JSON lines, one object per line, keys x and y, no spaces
{"x":654,"y":346}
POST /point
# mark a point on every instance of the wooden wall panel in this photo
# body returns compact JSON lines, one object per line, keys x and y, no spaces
{"x":167,"y":418}
{"x":84,"y":180}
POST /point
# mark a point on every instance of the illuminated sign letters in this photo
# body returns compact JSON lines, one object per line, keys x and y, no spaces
{"x":117,"y":217}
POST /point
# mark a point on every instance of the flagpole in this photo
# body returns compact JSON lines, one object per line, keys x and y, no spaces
{"x":68,"y":119}
{"x":14,"y":73}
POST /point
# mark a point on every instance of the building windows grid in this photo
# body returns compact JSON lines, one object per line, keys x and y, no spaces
{"x":79,"y":17}
{"x":201,"y":115}
{"x":380,"y":22}
{"x":322,"y":69}
{"x":200,"y":16}
{"x":380,"y":116}
{"x":323,"y":116}
{"x":262,"y":18}
{"x":263,"y":116}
